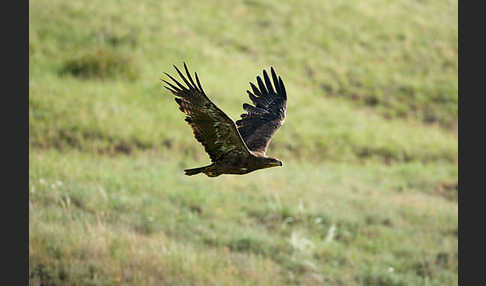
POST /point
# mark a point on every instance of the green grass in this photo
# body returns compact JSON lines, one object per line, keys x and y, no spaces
{"x":368,"y":191}
{"x":152,"y":225}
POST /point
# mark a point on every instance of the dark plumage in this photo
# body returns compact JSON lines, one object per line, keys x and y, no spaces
{"x":233,"y":149}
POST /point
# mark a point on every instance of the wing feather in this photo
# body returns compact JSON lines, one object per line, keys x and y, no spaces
{"x":211,"y":126}
{"x":261,"y":121}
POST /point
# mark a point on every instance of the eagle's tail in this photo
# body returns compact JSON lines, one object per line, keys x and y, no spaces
{"x":194,"y":171}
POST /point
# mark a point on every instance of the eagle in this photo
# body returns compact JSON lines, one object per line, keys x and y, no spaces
{"x":233,"y":147}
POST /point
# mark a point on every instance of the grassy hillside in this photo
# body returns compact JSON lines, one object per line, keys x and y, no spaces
{"x":368,"y":191}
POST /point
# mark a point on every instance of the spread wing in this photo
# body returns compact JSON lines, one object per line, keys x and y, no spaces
{"x":262,"y":120}
{"x":210,"y":125}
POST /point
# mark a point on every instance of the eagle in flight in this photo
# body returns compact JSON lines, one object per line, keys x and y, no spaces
{"x":233,"y":148}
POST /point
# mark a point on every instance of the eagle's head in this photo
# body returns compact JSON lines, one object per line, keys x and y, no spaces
{"x":271,"y":162}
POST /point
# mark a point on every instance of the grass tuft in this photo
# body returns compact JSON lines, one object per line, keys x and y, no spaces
{"x":101,"y":63}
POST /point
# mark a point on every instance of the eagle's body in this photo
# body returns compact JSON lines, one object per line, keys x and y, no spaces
{"x":234,"y":164}
{"x":233,"y":148}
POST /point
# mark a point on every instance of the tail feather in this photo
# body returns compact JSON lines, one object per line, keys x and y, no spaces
{"x":190,"y":172}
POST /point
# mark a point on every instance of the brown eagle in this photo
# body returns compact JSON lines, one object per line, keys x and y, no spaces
{"x":233,"y":149}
